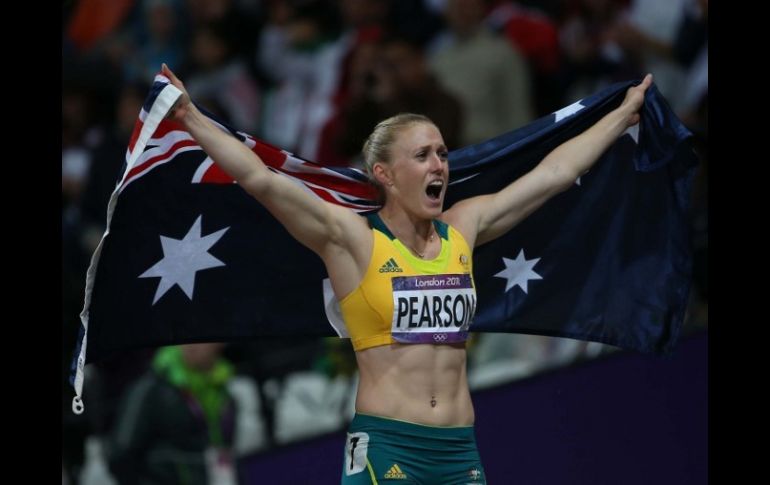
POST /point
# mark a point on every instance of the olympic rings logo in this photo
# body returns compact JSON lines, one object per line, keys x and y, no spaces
{"x":439,"y":337}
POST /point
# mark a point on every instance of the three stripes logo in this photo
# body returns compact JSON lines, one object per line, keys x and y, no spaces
{"x":395,"y":472}
{"x":391,"y":266}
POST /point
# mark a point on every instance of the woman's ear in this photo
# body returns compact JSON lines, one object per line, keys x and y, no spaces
{"x":382,"y":174}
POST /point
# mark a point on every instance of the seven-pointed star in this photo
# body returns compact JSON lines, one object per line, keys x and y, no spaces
{"x":182,"y":258}
{"x":519,"y":271}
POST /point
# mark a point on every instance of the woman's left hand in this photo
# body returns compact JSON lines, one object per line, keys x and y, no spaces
{"x":634,"y":99}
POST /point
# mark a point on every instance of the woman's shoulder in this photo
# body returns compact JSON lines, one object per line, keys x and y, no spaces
{"x":453,"y":229}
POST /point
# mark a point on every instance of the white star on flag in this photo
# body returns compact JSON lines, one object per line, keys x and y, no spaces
{"x":633,"y":132}
{"x":568,"y":111}
{"x":182,"y":258}
{"x":519,"y":271}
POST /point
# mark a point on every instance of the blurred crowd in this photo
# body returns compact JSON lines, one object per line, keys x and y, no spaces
{"x":314,"y":77}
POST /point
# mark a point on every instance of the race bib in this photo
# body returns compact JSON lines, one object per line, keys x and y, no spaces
{"x":432,"y":309}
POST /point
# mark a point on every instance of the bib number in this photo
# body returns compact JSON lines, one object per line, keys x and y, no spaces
{"x":432,"y":309}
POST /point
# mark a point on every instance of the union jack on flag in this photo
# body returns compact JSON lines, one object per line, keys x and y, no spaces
{"x":343,"y":186}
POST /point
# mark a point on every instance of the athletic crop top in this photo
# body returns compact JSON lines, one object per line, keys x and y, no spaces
{"x":409,"y":300}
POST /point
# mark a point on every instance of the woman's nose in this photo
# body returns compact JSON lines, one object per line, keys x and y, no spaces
{"x":435,"y":162}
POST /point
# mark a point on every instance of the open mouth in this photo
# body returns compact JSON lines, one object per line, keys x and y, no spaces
{"x":433,"y":190}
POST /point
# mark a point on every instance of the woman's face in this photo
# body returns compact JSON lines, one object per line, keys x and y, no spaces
{"x":418,"y":170}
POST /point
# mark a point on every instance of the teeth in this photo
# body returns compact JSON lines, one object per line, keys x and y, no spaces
{"x":436,"y":183}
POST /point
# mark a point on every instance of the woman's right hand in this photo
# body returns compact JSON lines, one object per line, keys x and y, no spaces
{"x":183,"y":104}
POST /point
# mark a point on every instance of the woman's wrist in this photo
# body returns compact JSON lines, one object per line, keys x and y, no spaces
{"x":191,"y":116}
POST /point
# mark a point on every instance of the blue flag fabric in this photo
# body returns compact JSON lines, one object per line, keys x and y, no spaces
{"x":609,"y":260}
{"x":188,"y":256}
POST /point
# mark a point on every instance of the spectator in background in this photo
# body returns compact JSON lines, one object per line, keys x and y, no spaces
{"x":93,"y":21}
{"x":672,"y":38}
{"x":535,"y":35}
{"x":159,"y":36}
{"x":593,"y":58}
{"x":241,"y":23}
{"x":176,"y":424}
{"x":221,"y":81}
{"x":300,"y":55}
{"x":645,"y":32}
{"x":489,"y":77}
{"x":414,"y":19}
{"x":363,"y":22}
{"x":388,"y":78}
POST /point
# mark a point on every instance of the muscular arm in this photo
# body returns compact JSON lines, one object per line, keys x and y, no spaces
{"x":486,"y":217}
{"x":326,"y":229}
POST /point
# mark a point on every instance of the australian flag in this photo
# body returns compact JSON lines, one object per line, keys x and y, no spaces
{"x":189,"y":256}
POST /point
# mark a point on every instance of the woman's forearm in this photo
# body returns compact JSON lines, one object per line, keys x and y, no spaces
{"x":577,"y":155}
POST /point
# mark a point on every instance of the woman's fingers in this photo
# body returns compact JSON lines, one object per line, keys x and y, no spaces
{"x":646,"y":83}
{"x":170,"y":75}
{"x":179,"y":109}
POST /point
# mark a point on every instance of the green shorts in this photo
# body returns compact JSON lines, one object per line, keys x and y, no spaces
{"x":382,"y":450}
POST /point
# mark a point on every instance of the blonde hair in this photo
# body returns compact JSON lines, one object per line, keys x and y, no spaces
{"x":377,"y":146}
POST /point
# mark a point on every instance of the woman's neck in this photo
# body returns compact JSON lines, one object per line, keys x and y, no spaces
{"x":405,"y":223}
{"x":416,"y":233}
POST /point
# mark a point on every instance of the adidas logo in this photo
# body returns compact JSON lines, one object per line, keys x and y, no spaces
{"x":395,"y":472}
{"x":390,"y":266}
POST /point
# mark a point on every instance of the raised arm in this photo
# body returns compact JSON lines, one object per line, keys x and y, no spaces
{"x":323,"y":227}
{"x":486,"y":217}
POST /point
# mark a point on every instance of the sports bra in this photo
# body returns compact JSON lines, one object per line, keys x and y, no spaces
{"x":405,"y":299}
